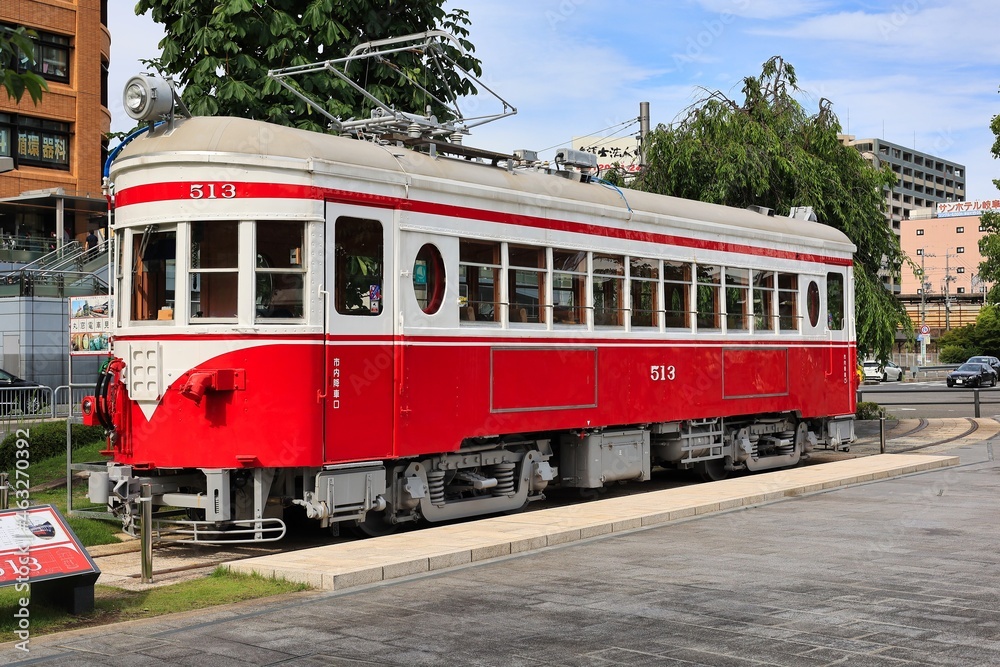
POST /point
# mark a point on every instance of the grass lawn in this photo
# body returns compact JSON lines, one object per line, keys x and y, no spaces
{"x":112,"y":605}
{"x":90,"y":531}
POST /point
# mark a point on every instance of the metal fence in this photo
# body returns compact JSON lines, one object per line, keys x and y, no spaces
{"x":68,"y":398}
{"x":26,"y":403}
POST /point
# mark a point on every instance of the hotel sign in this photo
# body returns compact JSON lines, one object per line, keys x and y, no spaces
{"x":953,"y":209}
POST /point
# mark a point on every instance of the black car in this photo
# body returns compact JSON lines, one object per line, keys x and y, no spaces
{"x":19,"y":396}
{"x":972,"y":375}
{"x":992,"y":362}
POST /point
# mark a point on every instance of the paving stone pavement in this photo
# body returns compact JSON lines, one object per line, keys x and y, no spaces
{"x":896,"y":572}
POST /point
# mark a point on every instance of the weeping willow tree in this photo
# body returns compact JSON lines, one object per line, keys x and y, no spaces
{"x":767,"y":150}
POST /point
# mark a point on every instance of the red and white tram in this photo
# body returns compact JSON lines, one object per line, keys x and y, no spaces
{"x":381,"y":335}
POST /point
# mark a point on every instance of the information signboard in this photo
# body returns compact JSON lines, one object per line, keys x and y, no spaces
{"x":89,"y":324}
{"x":37,"y":545}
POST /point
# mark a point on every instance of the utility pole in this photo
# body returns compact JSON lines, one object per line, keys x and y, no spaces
{"x":947,"y":297}
{"x":643,"y":131}
{"x":923,"y":305}
{"x":923,"y":288}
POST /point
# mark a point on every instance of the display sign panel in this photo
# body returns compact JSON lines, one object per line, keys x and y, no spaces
{"x":36,"y":545}
{"x":90,"y":324}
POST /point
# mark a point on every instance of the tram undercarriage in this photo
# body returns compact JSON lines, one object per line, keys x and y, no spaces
{"x":214,"y":506}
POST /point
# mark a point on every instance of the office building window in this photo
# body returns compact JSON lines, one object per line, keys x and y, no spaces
{"x":920,"y":251}
{"x":960,"y":249}
{"x":52,"y":55}
{"x":920,"y":232}
{"x":961,"y":290}
{"x":960,"y":269}
{"x":960,"y":230}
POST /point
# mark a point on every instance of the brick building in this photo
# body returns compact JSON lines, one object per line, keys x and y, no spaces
{"x":53,"y":193}
{"x":57,"y":146}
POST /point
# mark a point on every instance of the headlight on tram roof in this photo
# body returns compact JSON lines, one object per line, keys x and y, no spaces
{"x":147,"y":97}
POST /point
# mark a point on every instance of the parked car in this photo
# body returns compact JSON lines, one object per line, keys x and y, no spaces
{"x":972,"y":375}
{"x":884,"y":373}
{"x":993,"y":362}
{"x":17,"y":396}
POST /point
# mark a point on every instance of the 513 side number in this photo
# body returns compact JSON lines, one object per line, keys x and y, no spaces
{"x":662,"y":373}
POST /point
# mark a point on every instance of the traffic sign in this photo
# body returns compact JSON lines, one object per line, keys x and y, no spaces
{"x":925,"y":329}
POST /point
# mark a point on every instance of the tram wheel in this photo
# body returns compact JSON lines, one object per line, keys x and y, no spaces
{"x":713,"y":470}
{"x":376,"y":524}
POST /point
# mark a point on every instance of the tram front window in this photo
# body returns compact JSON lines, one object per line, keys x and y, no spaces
{"x":280,"y":271}
{"x":154,"y":263}
{"x":214,"y":272}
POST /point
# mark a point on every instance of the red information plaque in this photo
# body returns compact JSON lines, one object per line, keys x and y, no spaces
{"x":37,"y":545}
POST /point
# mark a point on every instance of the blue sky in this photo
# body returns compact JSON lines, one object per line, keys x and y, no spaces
{"x":921,"y":73}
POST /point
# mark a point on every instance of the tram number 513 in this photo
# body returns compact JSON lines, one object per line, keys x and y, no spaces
{"x":662,"y":373}
{"x":213,"y":190}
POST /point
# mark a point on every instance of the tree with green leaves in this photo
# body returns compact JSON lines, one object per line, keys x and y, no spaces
{"x":767,"y":150}
{"x":989,"y":245}
{"x":17,"y":54}
{"x":221,"y":50}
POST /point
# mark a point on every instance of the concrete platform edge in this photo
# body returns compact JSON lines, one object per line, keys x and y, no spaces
{"x":349,"y":565}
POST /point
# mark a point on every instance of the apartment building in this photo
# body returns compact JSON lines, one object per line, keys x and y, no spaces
{"x":924,"y":179}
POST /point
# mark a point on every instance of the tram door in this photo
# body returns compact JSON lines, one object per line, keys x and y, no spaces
{"x":358,"y":342}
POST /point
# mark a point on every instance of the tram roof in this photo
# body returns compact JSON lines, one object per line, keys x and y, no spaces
{"x":230,"y":135}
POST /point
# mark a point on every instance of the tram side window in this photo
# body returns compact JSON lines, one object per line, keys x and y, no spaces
{"x":709,"y":284}
{"x":677,"y":294}
{"x":835,"y":301}
{"x":737,"y":291}
{"x":812,"y":303}
{"x":609,"y":290}
{"x":763,"y":298}
{"x":279,"y":277}
{"x":429,"y":279}
{"x":214,"y":270}
{"x":644,"y":275}
{"x":569,"y":286}
{"x":154,"y":257}
{"x":478,"y":278}
{"x":358,"y":266}
{"x":788,"y":315}
{"x":526,"y":284}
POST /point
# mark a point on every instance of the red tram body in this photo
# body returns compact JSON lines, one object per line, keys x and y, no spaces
{"x":380,"y":335}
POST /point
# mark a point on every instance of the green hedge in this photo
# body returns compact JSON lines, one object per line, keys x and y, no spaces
{"x":869,"y":410}
{"x":46,"y":440}
{"x":956,"y":354}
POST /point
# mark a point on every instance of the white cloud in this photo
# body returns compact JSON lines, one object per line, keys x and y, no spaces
{"x":927,"y":68}
{"x":763,"y":9}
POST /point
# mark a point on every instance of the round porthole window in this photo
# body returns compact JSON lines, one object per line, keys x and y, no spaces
{"x":812,"y":302}
{"x":428,"y":279}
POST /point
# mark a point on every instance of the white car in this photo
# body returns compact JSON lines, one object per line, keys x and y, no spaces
{"x":888,"y":372}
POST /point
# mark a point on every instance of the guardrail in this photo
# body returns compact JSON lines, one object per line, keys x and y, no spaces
{"x":977,"y":401}
{"x":26,"y":403}
{"x":67,"y":399}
